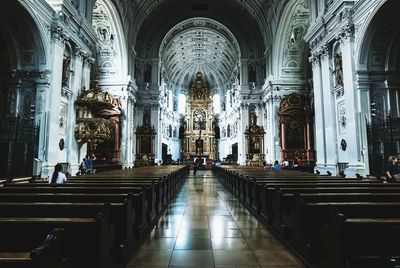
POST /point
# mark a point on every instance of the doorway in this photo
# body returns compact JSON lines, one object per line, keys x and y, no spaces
{"x":235,"y":152}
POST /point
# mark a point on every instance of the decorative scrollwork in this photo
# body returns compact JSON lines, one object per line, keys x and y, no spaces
{"x":93,"y":130}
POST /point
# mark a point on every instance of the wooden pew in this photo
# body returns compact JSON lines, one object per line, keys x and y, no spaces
{"x":276,"y":197}
{"x":147,"y":194}
{"x":311,"y":216}
{"x":120,"y":217}
{"x":276,"y":200}
{"x":281,"y":201}
{"x":139,"y":201}
{"x":254,"y":189}
{"x":88,"y":240}
{"x":159,"y":185}
{"x":361,"y":242}
{"x":152,"y":196}
{"x":47,"y":254}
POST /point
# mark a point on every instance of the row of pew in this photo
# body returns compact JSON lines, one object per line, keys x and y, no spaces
{"x":328,"y":221}
{"x":90,"y":221}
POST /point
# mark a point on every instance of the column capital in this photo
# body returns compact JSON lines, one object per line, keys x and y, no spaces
{"x":346,"y":34}
{"x":325,"y":52}
{"x":58,"y":34}
{"x":89,"y":61}
{"x":80,"y":53}
{"x":315,"y":60}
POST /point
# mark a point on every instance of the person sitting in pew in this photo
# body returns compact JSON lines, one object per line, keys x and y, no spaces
{"x":285,"y":164}
{"x":392,"y":170}
{"x":277,"y":166}
{"x":266,"y":166}
{"x":58,"y":176}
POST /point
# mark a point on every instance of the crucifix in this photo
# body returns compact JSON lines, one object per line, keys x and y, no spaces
{"x":199,"y":141}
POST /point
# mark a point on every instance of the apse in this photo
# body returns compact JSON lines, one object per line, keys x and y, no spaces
{"x":199,"y":45}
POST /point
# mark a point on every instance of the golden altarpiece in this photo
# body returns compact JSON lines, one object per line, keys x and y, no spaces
{"x":145,"y":141}
{"x":254,"y":142}
{"x":199,"y":123}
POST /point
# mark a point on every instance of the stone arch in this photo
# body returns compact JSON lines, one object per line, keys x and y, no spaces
{"x":25,"y":36}
{"x":364,"y":36}
{"x":111,"y":48}
{"x":23,"y":58}
{"x":289,"y":43}
{"x":378,"y":72}
{"x":378,"y":60}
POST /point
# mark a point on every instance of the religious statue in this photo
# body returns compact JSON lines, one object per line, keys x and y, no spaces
{"x":66,"y":71}
{"x":253,"y":118}
{"x":146,"y":117}
{"x":338,"y":72}
{"x":199,"y":146}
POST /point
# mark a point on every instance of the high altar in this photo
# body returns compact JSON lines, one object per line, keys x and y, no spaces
{"x":199,"y":123}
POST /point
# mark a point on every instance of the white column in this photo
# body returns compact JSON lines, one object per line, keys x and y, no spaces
{"x":275,"y":101}
{"x":72,"y":146}
{"x":319,"y":115}
{"x":365,"y":104}
{"x":328,"y":100}
{"x":156,"y":122}
{"x":155,"y":74}
{"x":353,"y":129}
{"x":244,"y":77}
{"x":54,"y":97}
{"x":244,"y":121}
{"x":41,"y":115}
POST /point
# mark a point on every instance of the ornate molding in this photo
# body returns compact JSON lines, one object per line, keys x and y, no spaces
{"x":30,"y":74}
{"x":59,"y":34}
{"x":315,"y":60}
{"x":325,"y":51}
{"x":93,"y":130}
{"x":346,"y":33}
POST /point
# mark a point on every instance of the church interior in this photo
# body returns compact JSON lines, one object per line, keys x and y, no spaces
{"x":169,"y":122}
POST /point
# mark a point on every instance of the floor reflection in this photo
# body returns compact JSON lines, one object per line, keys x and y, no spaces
{"x":206,"y":226}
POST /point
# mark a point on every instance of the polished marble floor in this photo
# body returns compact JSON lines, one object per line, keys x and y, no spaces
{"x":206,"y":226}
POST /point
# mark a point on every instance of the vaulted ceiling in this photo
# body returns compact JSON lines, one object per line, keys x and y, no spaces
{"x":249,"y":23}
{"x":199,"y":45}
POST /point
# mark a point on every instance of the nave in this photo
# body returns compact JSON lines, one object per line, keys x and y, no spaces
{"x":206,"y":226}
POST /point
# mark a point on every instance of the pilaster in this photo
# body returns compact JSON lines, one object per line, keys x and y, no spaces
{"x":329,"y":107}
{"x":352,"y":134}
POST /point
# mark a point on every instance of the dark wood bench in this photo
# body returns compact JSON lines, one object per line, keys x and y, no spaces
{"x":87,"y":241}
{"x":161,"y":187}
{"x":276,"y":200}
{"x":140,"y":204}
{"x":253,"y":190}
{"x":361,"y":242}
{"x":120,"y":213}
{"x":47,"y":254}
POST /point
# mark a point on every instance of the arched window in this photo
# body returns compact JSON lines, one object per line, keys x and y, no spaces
{"x":182,"y":103}
{"x":229,"y":131}
{"x":217,"y":103}
{"x":252,"y":73}
{"x":147,"y":73}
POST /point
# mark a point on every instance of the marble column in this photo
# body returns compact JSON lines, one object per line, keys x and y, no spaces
{"x":155,"y":74}
{"x":319,"y":115}
{"x":244,"y":74}
{"x":41,"y":115}
{"x":57,"y":43}
{"x":330,"y":121}
{"x":72,"y":146}
{"x":353,"y":134}
{"x":364,"y":89}
{"x":244,"y":121}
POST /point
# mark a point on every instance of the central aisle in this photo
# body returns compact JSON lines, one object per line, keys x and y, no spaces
{"x":206,"y":226}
